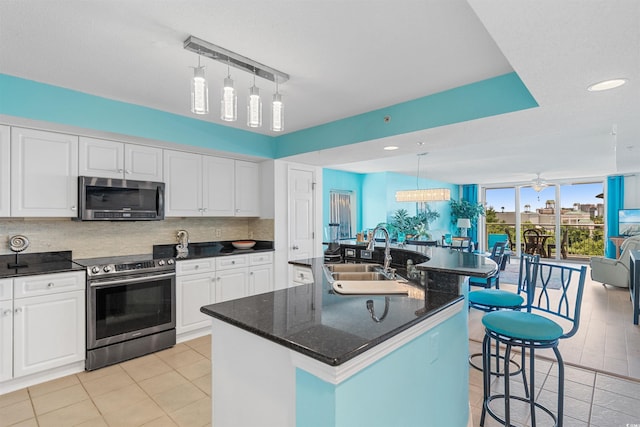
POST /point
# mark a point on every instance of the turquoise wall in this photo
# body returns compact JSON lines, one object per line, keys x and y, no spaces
{"x":486,"y":98}
{"x":375,"y":196}
{"x":406,"y":388}
{"x":38,"y":101}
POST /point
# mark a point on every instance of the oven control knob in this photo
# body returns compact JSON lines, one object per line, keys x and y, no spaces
{"x":161,"y":262}
{"x":170,"y":261}
{"x":107,"y":268}
{"x":95,"y":270}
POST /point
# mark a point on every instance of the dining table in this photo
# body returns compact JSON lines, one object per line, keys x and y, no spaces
{"x":535,"y":244}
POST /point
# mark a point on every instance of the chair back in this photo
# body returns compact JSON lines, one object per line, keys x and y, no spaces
{"x":526,"y":273}
{"x":492,"y":239}
{"x":564,"y":303}
{"x":630,"y":244}
{"x":498,"y":252}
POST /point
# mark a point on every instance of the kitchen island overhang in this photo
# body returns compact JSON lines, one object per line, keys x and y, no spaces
{"x":319,"y":359}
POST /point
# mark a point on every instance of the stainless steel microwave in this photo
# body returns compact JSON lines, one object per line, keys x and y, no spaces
{"x":109,"y":199}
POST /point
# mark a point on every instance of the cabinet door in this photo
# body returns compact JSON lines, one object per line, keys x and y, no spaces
{"x":183,"y":179}
{"x":101,"y":158}
{"x":232,"y":284}
{"x":49,"y":331}
{"x":247,"y":193}
{"x":219,"y":186}
{"x":6,"y":340}
{"x":44,"y":174}
{"x":260,"y":279}
{"x":5,"y":176}
{"x":142,"y":163}
{"x":192,"y":292}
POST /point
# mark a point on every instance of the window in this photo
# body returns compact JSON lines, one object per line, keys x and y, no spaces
{"x":343,"y":212}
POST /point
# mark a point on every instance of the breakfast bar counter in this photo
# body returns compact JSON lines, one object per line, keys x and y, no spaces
{"x":306,"y":355}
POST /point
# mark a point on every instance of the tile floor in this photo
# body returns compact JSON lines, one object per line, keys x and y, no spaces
{"x":168,"y":388}
{"x":173,"y":387}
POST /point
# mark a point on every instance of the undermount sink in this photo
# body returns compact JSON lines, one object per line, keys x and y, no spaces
{"x":359,"y":276}
{"x":352,"y":268}
{"x":363,"y":279}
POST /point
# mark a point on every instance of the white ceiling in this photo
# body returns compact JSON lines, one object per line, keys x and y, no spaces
{"x":346,"y":57}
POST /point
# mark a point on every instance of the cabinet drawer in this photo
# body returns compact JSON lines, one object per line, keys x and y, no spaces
{"x":302,"y":274}
{"x":48,"y":284}
{"x":234,"y":261}
{"x":261,"y":258}
{"x":202,"y":265}
{"x":6,"y":289}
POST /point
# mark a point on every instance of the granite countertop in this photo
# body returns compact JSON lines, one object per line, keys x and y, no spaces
{"x":210,"y":249}
{"x":328,"y":327}
{"x":37,"y":263}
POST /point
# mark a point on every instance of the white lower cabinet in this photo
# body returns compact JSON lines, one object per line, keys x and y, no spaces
{"x":6,"y":329}
{"x":232,"y":284}
{"x":195,"y":287}
{"x":210,"y":280}
{"x":43,"y":325}
{"x":194,"y":291}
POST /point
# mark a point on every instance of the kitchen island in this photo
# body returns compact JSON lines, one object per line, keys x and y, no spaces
{"x":307,"y":356}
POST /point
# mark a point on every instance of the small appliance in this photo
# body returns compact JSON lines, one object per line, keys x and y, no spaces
{"x":332,"y":253}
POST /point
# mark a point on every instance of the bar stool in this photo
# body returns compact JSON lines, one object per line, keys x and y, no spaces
{"x":531,"y":331}
{"x":489,"y":300}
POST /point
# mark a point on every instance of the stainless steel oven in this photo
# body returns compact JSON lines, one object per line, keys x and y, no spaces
{"x":131,"y":308}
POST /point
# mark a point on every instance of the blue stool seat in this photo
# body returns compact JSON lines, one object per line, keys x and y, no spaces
{"x":495,"y":299}
{"x":523,"y":326}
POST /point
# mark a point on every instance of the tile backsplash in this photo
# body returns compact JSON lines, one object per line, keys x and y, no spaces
{"x":98,"y":239}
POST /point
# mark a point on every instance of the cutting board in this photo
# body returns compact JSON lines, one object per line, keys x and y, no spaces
{"x":369,"y":287}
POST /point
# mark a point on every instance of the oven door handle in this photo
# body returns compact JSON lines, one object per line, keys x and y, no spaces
{"x":132,"y":280}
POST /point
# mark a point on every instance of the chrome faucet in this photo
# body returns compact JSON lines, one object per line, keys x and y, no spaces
{"x":387,"y":246}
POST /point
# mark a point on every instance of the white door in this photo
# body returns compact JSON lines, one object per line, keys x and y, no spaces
{"x":49,"y":331}
{"x":5,"y":171}
{"x":101,"y":158}
{"x":301,"y":217}
{"x":44,"y":174}
{"x":192,"y":292}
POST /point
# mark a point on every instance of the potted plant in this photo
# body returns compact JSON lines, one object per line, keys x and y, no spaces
{"x":465,"y":209}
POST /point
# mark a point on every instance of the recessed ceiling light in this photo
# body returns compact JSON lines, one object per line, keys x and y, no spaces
{"x":391,"y":147}
{"x":606,"y":85}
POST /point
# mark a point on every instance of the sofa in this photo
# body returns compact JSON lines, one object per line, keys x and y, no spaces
{"x":615,"y":272}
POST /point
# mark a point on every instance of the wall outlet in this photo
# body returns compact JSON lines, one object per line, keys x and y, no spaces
{"x":218,"y":232}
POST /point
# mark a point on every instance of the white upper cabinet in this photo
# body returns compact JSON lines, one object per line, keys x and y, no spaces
{"x":219,"y":186}
{"x":247,"y":189}
{"x":183,"y":179}
{"x":111,"y":159}
{"x":5,"y":171}
{"x":44,"y":174}
{"x":200,"y":185}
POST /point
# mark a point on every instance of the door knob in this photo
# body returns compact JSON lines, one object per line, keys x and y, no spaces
{"x":295,"y":248}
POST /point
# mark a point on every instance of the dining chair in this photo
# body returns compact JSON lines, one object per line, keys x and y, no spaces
{"x":497,"y":255}
{"x":531,"y":238}
{"x":550,"y":315}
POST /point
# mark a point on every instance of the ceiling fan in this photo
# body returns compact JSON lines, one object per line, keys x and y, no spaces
{"x":538,"y":184}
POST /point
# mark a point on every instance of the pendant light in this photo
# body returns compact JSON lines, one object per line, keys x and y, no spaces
{"x":277,"y":111}
{"x":229,"y":101}
{"x":254,"y":106}
{"x":424,"y":195}
{"x":199,"y":91}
